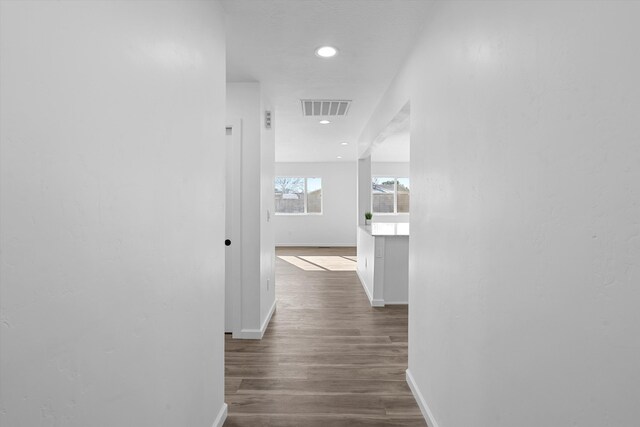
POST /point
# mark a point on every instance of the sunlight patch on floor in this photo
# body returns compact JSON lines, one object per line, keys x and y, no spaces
{"x":304,"y":265}
{"x":321,"y":263}
{"x":332,"y":262}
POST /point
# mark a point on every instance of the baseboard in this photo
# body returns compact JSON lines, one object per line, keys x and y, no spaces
{"x":222,"y":416}
{"x":316,"y":245}
{"x":396,"y":302}
{"x":373,"y":302}
{"x":267,"y":320}
{"x":257,"y":334}
{"x":377,"y":303}
{"x":424,"y":408}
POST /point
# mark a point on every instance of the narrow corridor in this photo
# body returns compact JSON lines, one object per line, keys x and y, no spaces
{"x":327,"y":358}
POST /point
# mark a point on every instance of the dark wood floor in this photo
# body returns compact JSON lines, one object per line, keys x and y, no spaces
{"x":327,"y":359}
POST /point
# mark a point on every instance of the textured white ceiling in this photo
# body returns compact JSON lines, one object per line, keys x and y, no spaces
{"x":273,"y":42}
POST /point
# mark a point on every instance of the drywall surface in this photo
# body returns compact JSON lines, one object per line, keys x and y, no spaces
{"x":390,"y":169}
{"x":363,"y":188}
{"x":337,"y":224}
{"x":525,"y":216}
{"x":267,"y":229}
{"x":383,"y":267}
{"x":366,"y":256}
{"x":396,"y":269}
{"x":112,"y":289}
{"x":246,"y":102}
{"x":243,"y":102}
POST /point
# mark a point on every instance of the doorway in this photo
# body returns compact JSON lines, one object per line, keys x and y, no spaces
{"x":233,"y":241}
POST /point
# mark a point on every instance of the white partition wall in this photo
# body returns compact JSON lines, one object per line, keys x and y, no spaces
{"x":390,"y":169}
{"x":246,"y":104}
{"x":111,"y":228}
{"x":524,"y":253}
{"x":383,"y":258}
{"x":364,"y":188}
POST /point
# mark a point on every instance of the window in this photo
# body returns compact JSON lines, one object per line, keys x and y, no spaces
{"x":298,"y":195}
{"x":390,"y":195}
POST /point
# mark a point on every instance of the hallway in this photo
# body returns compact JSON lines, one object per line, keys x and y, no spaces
{"x":327,"y":358}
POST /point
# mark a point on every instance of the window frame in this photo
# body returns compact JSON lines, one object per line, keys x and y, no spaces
{"x":395,"y":195}
{"x":306,"y":207}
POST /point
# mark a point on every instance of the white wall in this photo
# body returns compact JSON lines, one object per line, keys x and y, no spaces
{"x":112,"y":291}
{"x":366,"y":267}
{"x":337,"y":224}
{"x":399,"y":169}
{"x":267,"y":206}
{"x":383,"y":267}
{"x":245,"y":101}
{"x":396,"y":270}
{"x":363,"y":188}
{"x":524,"y":248}
{"x":390,"y":169}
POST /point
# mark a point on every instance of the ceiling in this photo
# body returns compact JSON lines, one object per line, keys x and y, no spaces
{"x":274,"y":41}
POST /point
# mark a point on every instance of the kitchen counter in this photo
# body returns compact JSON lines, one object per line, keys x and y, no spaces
{"x":383,"y":262}
{"x":387,"y":228}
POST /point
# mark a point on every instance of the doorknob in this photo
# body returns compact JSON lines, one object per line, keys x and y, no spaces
{"x":227,"y":242}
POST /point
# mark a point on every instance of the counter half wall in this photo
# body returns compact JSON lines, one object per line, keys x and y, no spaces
{"x":383,"y":262}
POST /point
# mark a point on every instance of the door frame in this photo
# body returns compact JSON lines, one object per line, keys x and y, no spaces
{"x":233,"y":226}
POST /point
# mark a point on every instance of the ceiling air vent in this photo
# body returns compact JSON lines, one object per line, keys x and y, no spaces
{"x":325,"y":107}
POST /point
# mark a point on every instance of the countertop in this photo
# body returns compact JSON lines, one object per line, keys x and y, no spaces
{"x":387,"y":228}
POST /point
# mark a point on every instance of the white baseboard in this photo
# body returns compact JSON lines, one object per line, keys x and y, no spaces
{"x":317,"y":245}
{"x":256,"y":334}
{"x":373,"y":302}
{"x":424,"y":408}
{"x":396,"y":302}
{"x":222,"y":416}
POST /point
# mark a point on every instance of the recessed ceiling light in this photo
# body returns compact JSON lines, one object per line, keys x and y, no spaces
{"x":324,"y":122}
{"x":326,"y":51}
{"x":338,"y":157}
{"x":344,"y":143}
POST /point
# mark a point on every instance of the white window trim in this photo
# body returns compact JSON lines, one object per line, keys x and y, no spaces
{"x":305,"y":213}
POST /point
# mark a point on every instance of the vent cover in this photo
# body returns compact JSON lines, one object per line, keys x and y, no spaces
{"x":325,"y":107}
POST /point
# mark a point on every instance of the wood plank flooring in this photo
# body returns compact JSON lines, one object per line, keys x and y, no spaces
{"x":327,"y":359}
